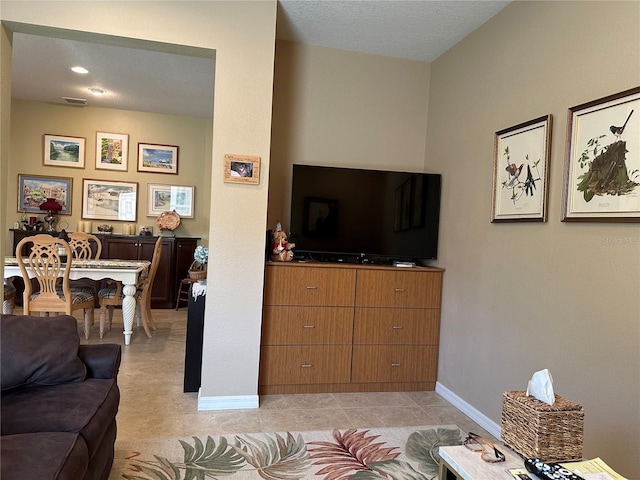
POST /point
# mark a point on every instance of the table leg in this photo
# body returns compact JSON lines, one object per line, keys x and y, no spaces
{"x":128,"y":311}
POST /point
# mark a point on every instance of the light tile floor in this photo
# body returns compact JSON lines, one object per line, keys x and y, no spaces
{"x":153,"y":404}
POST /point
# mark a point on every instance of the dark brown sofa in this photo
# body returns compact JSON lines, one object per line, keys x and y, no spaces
{"x":59,"y":401}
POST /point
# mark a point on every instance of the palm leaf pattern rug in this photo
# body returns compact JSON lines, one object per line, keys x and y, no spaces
{"x":397,"y":453}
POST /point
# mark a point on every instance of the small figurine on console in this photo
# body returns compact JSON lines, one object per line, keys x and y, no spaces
{"x":281,"y":250}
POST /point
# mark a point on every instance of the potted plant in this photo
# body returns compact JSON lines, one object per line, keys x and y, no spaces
{"x":198,"y":269}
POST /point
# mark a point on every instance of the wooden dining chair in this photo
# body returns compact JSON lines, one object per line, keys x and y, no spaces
{"x":45,"y":265}
{"x":112,"y":296}
{"x":85,"y":246}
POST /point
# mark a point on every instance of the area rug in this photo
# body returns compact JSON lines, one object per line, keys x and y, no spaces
{"x":400,"y":453}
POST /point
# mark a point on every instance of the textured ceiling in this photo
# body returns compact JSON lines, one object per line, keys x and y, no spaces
{"x":166,"y":79}
{"x":416,"y":30}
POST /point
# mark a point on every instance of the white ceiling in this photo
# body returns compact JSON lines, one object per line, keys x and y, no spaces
{"x":162,"y":79}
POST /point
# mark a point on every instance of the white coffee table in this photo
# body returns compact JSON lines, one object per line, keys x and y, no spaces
{"x":460,"y":463}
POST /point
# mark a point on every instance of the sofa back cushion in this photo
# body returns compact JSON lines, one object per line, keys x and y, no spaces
{"x":39,"y":351}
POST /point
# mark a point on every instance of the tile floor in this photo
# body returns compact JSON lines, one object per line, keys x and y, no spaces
{"x":154,"y":405}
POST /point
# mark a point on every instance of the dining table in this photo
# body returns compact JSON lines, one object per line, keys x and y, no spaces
{"x":128,"y":272}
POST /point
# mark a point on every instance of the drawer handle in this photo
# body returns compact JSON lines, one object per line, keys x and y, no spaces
{"x":399,"y":290}
{"x":309,"y":287}
{"x":397,"y":327}
{"x":308,"y":326}
{"x":396,"y":364}
{"x":306,"y":365}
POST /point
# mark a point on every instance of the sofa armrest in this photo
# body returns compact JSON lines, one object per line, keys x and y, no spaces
{"x":102,"y":361}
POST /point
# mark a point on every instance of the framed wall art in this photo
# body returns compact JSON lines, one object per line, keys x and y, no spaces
{"x":61,"y":151}
{"x":35,"y":189}
{"x":105,"y":200}
{"x":602,"y":164}
{"x":162,"y":198}
{"x":157,"y":158}
{"x":112,"y":151}
{"x":521,"y":172}
{"x":241,"y":169}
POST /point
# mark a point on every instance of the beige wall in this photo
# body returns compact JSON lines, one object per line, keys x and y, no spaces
{"x":338,"y":108}
{"x":30,"y":120}
{"x":521,"y":297}
{"x":517,"y":297}
{"x":242,"y":35}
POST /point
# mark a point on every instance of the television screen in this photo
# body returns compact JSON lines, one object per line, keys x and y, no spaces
{"x":347,"y":214}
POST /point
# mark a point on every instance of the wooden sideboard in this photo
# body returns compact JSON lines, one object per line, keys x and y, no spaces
{"x":176,"y":257}
{"x":349,"y":328}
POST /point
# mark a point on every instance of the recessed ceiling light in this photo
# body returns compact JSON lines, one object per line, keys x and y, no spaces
{"x":97,"y":91}
{"x":79,"y":69}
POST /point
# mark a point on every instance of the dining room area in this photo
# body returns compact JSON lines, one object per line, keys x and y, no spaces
{"x":64,"y":273}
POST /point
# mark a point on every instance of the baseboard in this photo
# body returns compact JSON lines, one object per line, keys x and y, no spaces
{"x":228,"y":402}
{"x":477,"y":416}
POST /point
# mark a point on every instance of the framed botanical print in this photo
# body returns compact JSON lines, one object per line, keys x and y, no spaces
{"x":602,"y":164}
{"x":521,"y":171}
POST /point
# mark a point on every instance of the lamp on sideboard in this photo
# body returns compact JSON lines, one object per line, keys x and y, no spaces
{"x":51,"y":206}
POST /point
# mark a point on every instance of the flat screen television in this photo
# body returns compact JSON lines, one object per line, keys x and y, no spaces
{"x":364,"y":216}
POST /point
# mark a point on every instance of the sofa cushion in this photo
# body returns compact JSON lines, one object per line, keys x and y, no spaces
{"x":34,"y":355}
{"x":87,"y":408}
{"x":44,"y":456}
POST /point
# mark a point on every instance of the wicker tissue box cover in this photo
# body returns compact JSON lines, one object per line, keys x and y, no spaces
{"x":534,"y":429}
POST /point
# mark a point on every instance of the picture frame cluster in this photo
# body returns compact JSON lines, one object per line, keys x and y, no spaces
{"x":112,"y":153}
{"x":601,"y":165}
{"x":110,"y":200}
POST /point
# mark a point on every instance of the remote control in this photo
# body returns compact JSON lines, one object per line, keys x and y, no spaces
{"x":549,"y":471}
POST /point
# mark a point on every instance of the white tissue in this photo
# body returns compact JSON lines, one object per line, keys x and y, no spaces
{"x":541,"y":387}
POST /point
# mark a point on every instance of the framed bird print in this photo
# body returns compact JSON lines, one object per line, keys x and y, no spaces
{"x":602,"y":163}
{"x":521,"y":171}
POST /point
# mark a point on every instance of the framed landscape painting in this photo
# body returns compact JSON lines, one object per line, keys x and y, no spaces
{"x":602,"y":164}
{"x":105,"y":200}
{"x":61,"y":151}
{"x":35,"y":189}
{"x":112,"y":151}
{"x":157,"y":158}
{"x":521,"y":171}
{"x":162,"y":198}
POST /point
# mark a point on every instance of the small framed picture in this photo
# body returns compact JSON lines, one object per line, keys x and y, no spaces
{"x":112,"y":151}
{"x":157,"y":158}
{"x":35,"y":189}
{"x":602,"y":165}
{"x":521,"y":171}
{"x":61,"y":151}
{"x":162,"y":198}
{"x":241,"y":169}
{"x":104,"y":200}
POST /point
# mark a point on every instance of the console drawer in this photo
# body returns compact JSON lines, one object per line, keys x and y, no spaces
{"x":309,"y":286}
{"x":283,"y":325}
{"x":398,"y":289}
{"x":415,"y":326}
{"x":291,"y":365}
{"x":393,"y":363}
